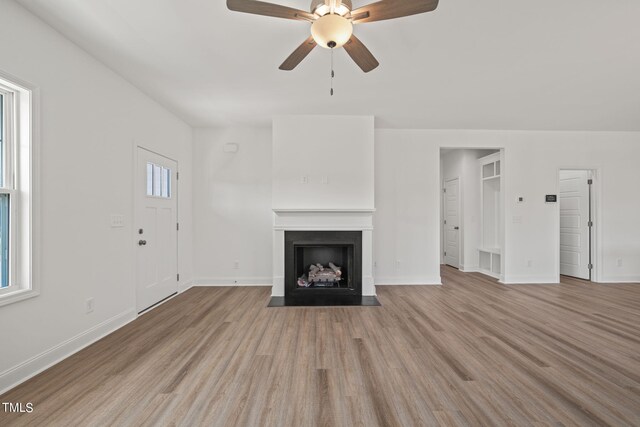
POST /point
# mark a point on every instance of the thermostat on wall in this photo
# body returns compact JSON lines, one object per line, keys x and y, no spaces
{"x":551,"y":198}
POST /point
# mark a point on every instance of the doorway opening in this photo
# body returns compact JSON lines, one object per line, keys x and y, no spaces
{"x":472,"y":205}
{"x":576,"y":200}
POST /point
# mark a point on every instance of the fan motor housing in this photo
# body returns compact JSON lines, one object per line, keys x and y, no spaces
{"x":315,"y":4}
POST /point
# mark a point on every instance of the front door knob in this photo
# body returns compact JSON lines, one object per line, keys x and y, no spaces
{"x":142,"y":242}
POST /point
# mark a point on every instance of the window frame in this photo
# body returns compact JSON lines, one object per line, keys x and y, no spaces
{"x":21,"y":182}
{"x":8,"y":179}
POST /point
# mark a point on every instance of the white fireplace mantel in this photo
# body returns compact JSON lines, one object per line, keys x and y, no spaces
{"x":323,"y":220}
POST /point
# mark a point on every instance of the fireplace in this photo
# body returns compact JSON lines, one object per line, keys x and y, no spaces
{"x":322,"y":264}
{"x":338,"y":242}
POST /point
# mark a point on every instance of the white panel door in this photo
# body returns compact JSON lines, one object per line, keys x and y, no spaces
{"x":156,"y":234}
{"x":452,"y":223}
{"x":574,"y":223}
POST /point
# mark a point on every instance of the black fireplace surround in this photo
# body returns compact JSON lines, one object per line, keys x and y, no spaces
{"x":305,"y":248}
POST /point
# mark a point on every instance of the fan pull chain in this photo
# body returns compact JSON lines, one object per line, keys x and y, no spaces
{"x":333,"y":74}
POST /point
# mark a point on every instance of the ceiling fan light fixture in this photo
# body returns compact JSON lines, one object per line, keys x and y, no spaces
{"x":322,"y":8}
{"x":331,"y":31}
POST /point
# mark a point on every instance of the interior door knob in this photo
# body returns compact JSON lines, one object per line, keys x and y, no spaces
{"x":142,"y":242}
{"x":456,"y":228}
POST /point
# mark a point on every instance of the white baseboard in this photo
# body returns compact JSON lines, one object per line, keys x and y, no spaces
{"x":33,"y":366}
{"x":234,"y":281}
{"x":530,"y":280}
{"x":185,"y":286}
{"x":407,"y":280}
{"x":470,"y":269}
{"x":620,"y":279}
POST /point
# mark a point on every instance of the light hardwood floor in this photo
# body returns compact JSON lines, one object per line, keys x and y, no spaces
{"x":472,"y":352}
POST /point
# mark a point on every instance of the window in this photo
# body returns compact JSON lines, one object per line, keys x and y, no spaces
{"x":17,"y":154}
{"x":6,"y":190}
{"x":158,"y":181}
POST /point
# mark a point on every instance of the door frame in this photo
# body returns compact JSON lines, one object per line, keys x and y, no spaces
{"x":596,"y":217}
{"x":134,"y":228}
{"x":460,"y":220}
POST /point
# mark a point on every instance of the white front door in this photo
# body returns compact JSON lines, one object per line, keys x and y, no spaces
{"x":574,"y":223}
{"x":156,"y":234}
{"x":452,"y":223}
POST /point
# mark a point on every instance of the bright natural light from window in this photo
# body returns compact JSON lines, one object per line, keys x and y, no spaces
{"x":158,"y":181}
{"x":4,"y":201}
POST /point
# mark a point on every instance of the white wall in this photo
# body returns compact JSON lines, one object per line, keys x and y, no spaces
{"x":232,"y":207}
{"x":407,"y":194}
{"x":403,"y":244}
{"x":408,"y":191}
{"x":90,"y":121}
{"x":336,"y":148}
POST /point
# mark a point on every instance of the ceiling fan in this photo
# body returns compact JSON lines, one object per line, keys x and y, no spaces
{"x":332,"y":24}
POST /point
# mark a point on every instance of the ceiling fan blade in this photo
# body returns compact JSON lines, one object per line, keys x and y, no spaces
{"x":269,"y":9}
{"x":390,"y":9}
{"x":360,"y":54}
{"x":298,"y":55}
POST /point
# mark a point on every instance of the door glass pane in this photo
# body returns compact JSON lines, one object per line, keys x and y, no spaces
{"x":166,"y":182}
{"x":157,"y":180}
{"x":149,"y":179}
{"x":4,"y":240}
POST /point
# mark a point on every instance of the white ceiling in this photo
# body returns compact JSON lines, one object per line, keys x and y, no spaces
{"x":491,"y":64}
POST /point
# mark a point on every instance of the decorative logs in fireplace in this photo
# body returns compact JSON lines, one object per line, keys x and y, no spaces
{"x":321,"y":277}
{"x":320,"y":263}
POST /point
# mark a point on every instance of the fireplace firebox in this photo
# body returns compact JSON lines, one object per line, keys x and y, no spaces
{"x":320,"y":264}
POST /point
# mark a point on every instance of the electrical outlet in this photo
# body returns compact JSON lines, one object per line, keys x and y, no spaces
{"x":325,"y":180}
{"x":304,"y":179}
{"x":529,"y":263}
{"x":89,"y":305}
{"x":619,"y":262}
{"x":236,"y":265}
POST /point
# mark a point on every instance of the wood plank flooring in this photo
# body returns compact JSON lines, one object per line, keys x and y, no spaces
{"x":470,"y":353}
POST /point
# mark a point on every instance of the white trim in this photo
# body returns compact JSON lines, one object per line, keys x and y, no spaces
{"x":277,"y":210}
{"x":33,"y":366}
{"x":408,"y":280}
{"x":233,"y":281}
{"x":614,"y":280}
{"x":321,"y":228}
{"x":490,"y":274}
{"x":530,"y":280}
{"x":183,"y":287}
{"x":9,"y":296}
